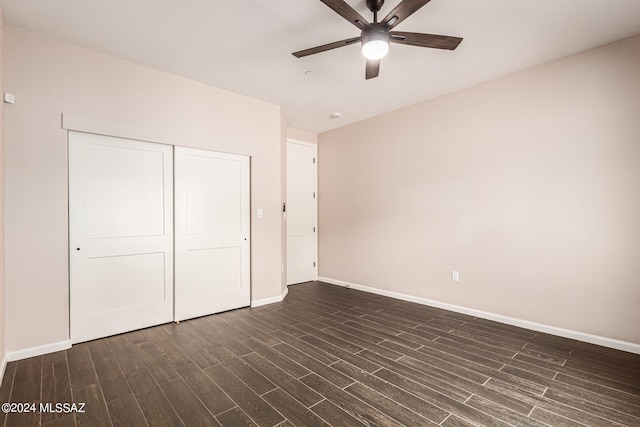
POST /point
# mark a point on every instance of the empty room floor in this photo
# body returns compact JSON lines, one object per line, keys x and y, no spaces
{"x":329,"y":356}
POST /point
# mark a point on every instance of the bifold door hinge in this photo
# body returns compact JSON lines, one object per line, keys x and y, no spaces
{"x":314,"y":160}
{"x":314,"y":263}
{"x":314,"y":195}
{"x":314,"y":229}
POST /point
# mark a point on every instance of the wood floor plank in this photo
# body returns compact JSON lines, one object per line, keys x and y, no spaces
{"x":246,"y":399}
{"x":254,"y":327}
{"x":335,"y":416}
{"x":440,"y":400}
{"x":394,"y":338}
{"x":236,"y":365}
{"x":127,"y":355}
{"x":541,"y":402}
{"x":440,"y":383}
{"x":630,"y":396}
{"x":296,"y":413}
{"x":235,"y":418}
{"x":597,"y":396}
{"x":452,"y":365}
{"x":603,"y":406}
{"x":68,"y":420}
{"x":348,"y":402}
{"x":205,"y":388}
{"x":24,"y":419}
{"x":488,"y":350}
{"x":281,"y":361}
{"x":346,"y":317}
{"x":354,"y":359}
{"x":507,"y":400}
{"x":280,"y":322}
{"x":125,"y":412}
{"x":189,"y":408}
{"x":292,"y":386}
{"x":454,"y":421}
{"x":490,"y":360}
{"x":368,"y":345}
{"x":552,"y":419}
{"x":195,"y":348}
{"x":56,"y":386}
{"x":141,"y":382}
{"x":597,"y":376}
{"x":502,"y":413}
{"x":325,"y":371}
{"x":157,"y":410}
{"x":5,"y":388}
{"x":431,"y":412}
{"x":27,"y":380}
{"x":112,"y":380}
{"x":318,"y":354}
{"x":95,"y":412}
{"x":388,"y":406}
{"x":157,"y":365}
{"x":332,"y":339}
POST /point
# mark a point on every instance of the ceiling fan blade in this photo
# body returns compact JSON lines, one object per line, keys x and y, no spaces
{"x":373,"y":68}
{"x":325,"y":47}
{"x":425,"y":40}
{"x":402,"y":11}
{"x":347,"y":12}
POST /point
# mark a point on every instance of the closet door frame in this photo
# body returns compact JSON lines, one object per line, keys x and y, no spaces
{"x":75,"y":123}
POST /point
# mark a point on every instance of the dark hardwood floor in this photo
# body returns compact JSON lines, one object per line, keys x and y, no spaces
{"x":330,"y":356}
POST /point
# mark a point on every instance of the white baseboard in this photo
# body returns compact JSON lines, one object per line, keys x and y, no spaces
{"x":265,"y":301}
{"x":12,"y":356}
{"x":539,"y":327}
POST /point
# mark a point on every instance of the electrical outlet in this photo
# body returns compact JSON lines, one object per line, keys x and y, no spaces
{"x":455,"y":276}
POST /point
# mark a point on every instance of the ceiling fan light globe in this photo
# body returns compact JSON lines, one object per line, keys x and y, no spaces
{"x":375,"y":49}
{"x":375,"y":41}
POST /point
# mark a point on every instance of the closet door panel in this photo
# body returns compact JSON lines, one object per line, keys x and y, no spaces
{"x":212,"y":232}
{"x":120,"y":235}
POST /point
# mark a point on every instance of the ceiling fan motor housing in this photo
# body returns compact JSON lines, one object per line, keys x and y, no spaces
{"x":375,"y":31}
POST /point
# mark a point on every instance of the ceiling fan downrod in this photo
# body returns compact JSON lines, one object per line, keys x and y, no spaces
{"x":375,"y":6}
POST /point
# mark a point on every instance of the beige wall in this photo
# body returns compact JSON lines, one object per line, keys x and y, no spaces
{"x":2,"y":304}
{"x":302,"y":135}
{"x":49,"y":78}
{"x":528,"y":185}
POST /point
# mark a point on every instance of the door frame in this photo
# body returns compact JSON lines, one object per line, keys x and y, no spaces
{"x":315,"y":208}
{"x":78,"y":123}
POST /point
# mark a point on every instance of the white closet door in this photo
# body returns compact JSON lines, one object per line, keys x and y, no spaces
{"x":212,"y":232}
{"x":301,"y":213}
{"x":120,"y":235}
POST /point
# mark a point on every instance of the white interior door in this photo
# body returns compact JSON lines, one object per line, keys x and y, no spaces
{"x":120,"y":235}
{"x":301,"y":213}
{"x":212,"y":232}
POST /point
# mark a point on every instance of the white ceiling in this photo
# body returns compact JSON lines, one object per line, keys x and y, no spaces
{"x":245,"y":46}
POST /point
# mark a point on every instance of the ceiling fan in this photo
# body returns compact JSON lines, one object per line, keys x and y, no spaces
{"x":375,"y":36}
